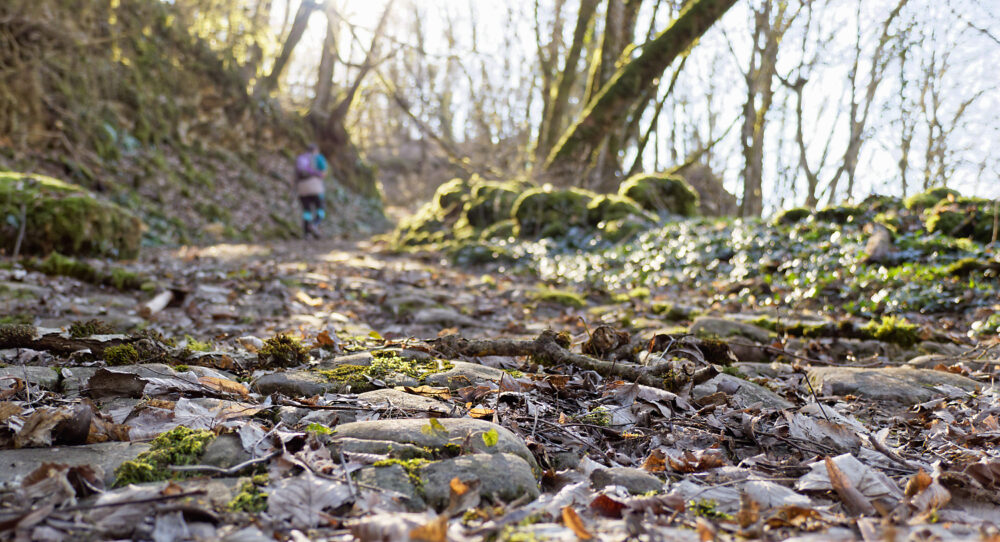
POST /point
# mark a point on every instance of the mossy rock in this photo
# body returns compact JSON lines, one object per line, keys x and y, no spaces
{"x":546,"y":212}
{"x":611,"y":207}
{"x":971,"y":218}
{"x":791,"y":216}
{"x":179,"y":446}
{"x":661,"y":193}
{"x":618,"y":231}
{"x":929,"y":198}
{"x":500,"y":230}
{"x":877,"y":203}
{"x":491,"y":202}
{"x":64,"y":217}
{"x":450,"y":196}
{"x":839,"y":214}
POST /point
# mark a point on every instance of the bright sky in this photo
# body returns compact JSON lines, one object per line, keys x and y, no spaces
{"x":714,"y":69}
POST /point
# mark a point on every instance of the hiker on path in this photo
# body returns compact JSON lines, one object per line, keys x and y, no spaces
{"x":310,"y":168}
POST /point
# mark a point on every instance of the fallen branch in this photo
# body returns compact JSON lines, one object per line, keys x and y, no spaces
{"x":546,"y":350}
{"x":156,"y":304}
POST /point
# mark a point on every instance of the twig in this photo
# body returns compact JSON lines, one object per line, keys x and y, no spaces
{"x":545,"y":350}
{"x":136,"y":501}
{"x":20,"y":229}
{"x":813,"y":392}
{"x":224,"y":471}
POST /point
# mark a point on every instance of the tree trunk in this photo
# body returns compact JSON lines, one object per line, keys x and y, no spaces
{"x":324,"y":79}
{"x":553,"y":122}
{"x":269,"y":83}
{"x":578,"y":147}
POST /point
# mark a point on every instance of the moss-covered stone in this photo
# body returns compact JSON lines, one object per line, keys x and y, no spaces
{"x":86,"y":328}
{"x":251,"y":497}
{"x":63,"y":217}
{"x":179,"y":446}
{"x":491,"y":202}
{"x":611,"y":207}
{"x":971,"y":218}
{"x":930,"y":198}
{"x":58,"y":264}
{"x":384,"y":364}
{"x":791,"y":216}
{"x":500,"y":230}
{"x":282,"y":351}
{"x":559,"y":297}
{"x":16,"y":335}
{"x":122,"y":354}
{"x":547,"y":212}
{"x":894,"y":330}
{"x":839,"y":214}
{"x":661,"y":193}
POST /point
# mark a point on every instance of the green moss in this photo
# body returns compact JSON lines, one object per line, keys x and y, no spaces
{"x":250,"y":498}
{"x":66,"y":218}
{"x":179,"y":446}
{"x":412,"y":467}
{"x":16,"y":335}
{"x":122,"y":354}
{"x":967,"y":217}
{"x":966,"y":267}
{"x":561,"y":297}
{"x":661,"y":193}
{"x":503,"y":229}
{"x":25,"y":319}
{"x":546,"y":212}
{"x":618,"y":231}
{"x":612,"y":207}
{"x":894,"y":330}
{"x":707,"y":508}
{"x":597,"y":416}
{"x":282,"y":351}
{"x":640,"y":293}
{"x":384,"y":364}
{"x":791,"y":216}
{"x":81,"y":328}
{"x":669,"y":311}
{"x":491,"y":203}
{"x":181,"y":368}
{"x":198,"y":346}
{"x":929,"y":198}
{"x":840,"y":214}
{"x":60,"y":265}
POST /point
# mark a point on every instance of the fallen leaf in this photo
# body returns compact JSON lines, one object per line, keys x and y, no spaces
{"x":481,"y":412}
{"x":655,"y":462}
{"x":855,"y":502}
{"x":224,"y":385}
{"x":575,"y":524}
{"x":434,"y":531}
{"x":430,"y":391}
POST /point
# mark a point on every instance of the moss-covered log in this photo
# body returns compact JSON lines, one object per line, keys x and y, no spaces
{"x":579,"y":143}
{"x":51,"y":215}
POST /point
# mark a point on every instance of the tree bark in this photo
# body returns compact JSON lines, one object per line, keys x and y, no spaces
{"x":580,"y":143}
{"x":269,"y":83}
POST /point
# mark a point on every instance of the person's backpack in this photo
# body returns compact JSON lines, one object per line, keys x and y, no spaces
{"x":303,"y":166}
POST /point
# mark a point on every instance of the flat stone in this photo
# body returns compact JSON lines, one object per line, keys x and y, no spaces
{"x":464,"y":374}
{"x":930,"y":361}
{"x":396,"y":450}
{"x":294,"y":384}
{"x":636,"y":481}
{"x":225,"y":451}
{"x":502,"y":476}
{"x":904,"y":385}
{"x":411,"y":431}
{"x":406,"y":401}
{"x":710,"y":326}
{"x":445,"y":317}
{"x":361,"y":358}
{"x":393,"y":478}
{"x":765,"y":370}
{"x":46,"y":378}
{"x":15,"y":464}
{"x":746,"y":393}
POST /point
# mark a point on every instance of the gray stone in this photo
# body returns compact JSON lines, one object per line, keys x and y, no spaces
{"x":709,"y":326}
{"x":402,"y":400}
{"x":15,"y":464}
{"x":765,"y":370}
{"x":396,"y":450}
{"x":636,"y":481}
{"x":225,"y":451}
{"x":294,"y":384}
{"x":746,"y":395}
{"x":412,"y":431}
{"x":46,"y":378}
{"x":393,"y":478}
{"x":74,"y":379}
{"x":946,"y":349}
{"x":929,"y":361}
{"x":904,"y":385}
{"x":464,"y":374}
{"x":445,"y":317}
{"x":361,"y":358}
{"x":503,"y":477}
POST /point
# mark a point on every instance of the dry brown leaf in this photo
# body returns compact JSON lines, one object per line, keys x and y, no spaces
{"x":481,"y":412}
{"x":434,"y":531}
{"x":607,"y":507}
{"x":697,"y":461}
{"x":457,"y":486}
{"x":855,"y":502}
{"x":572,"y":520}
{"x":324,"y":339}
{"x":8,"y":409}
{"x":706,"y":531}
{"x":429,"y":391}
{"x":749,"y":513}
{"x":224,"y":385}
{"x":656,"y":462}
{"x":918,"y":483}
{"x":37,"y":429}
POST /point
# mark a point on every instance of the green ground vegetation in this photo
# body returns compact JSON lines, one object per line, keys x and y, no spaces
{"x":179,"y":446}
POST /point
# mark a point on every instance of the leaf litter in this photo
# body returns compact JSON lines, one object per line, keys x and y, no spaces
{"x":696,"y":429}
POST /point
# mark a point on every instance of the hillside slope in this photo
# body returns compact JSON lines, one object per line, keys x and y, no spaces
{"x":119,"y":98}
